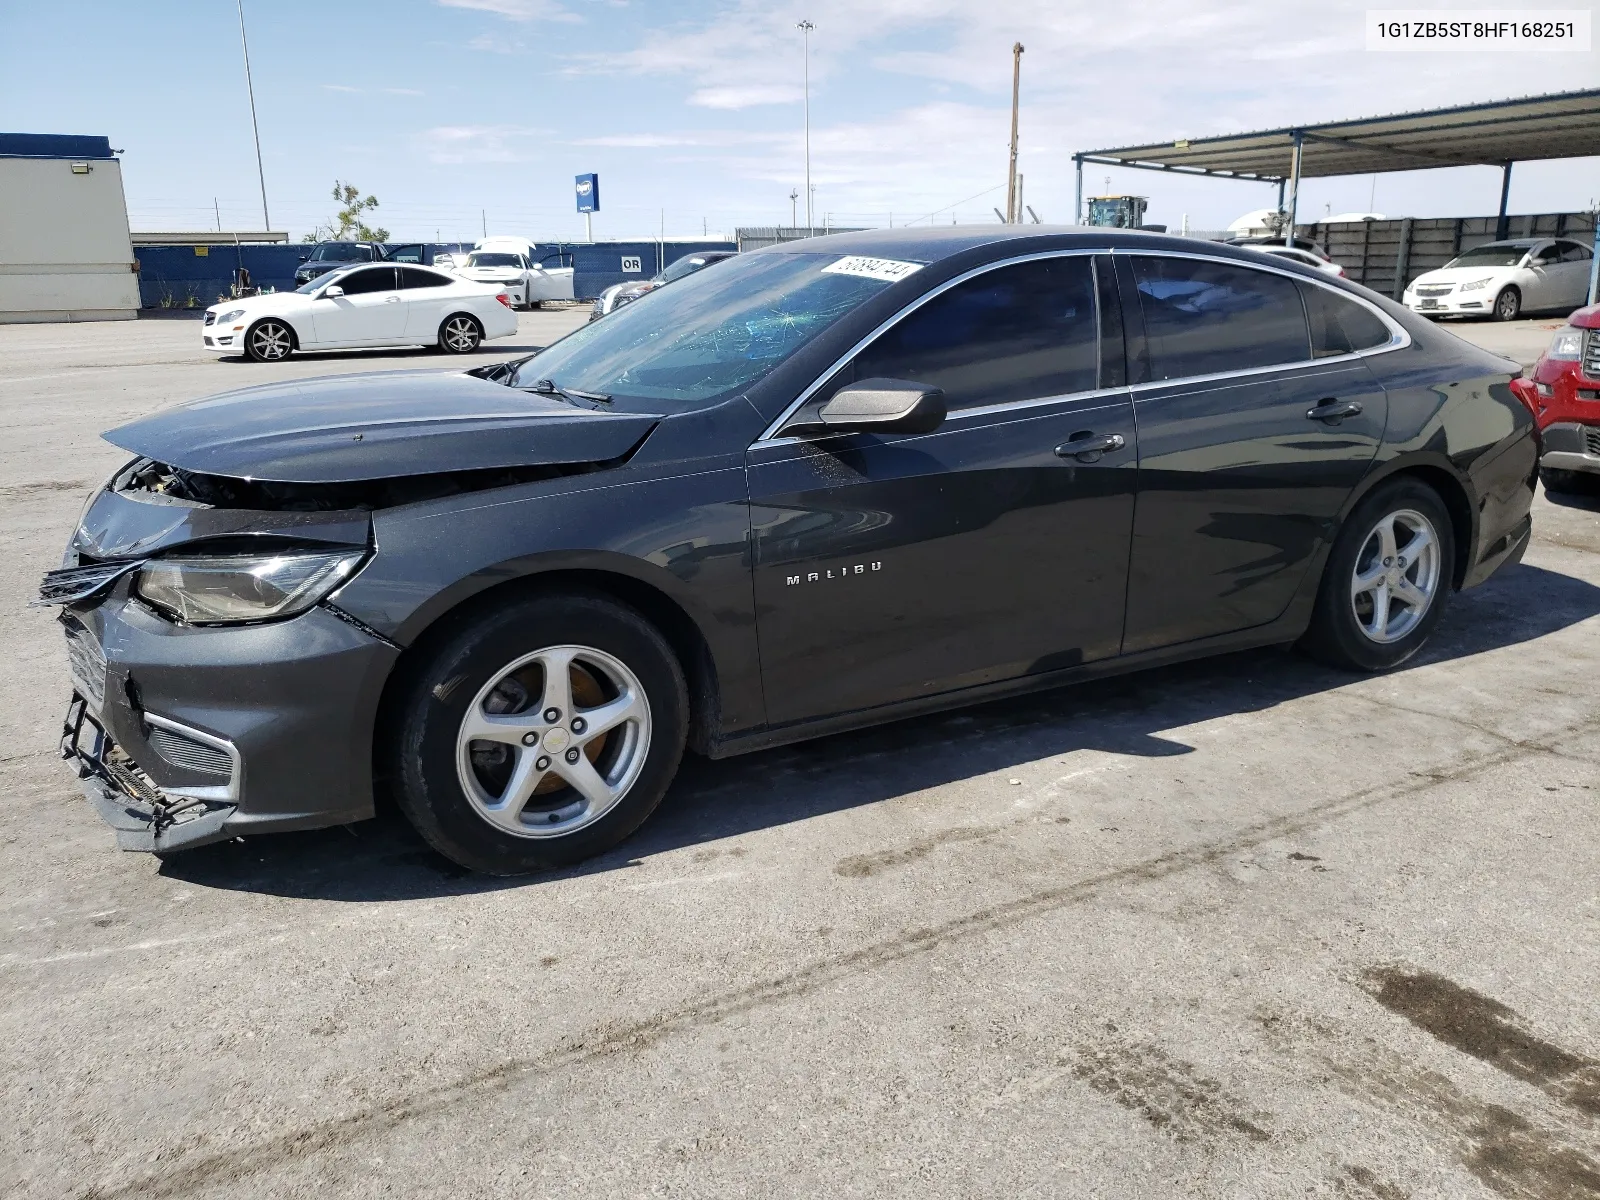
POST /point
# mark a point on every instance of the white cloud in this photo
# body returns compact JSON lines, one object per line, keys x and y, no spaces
{"x":745,"y":96}
{"x":455,"y":144}
{"x":517,"y":10}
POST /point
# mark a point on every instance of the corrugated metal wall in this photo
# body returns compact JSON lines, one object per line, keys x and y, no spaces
{"x":1387,"y":255}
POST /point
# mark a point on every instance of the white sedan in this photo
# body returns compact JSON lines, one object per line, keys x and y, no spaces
{"x":1506,"y":279}
{"x":1304,"y":257}
{"x":377,"y":305}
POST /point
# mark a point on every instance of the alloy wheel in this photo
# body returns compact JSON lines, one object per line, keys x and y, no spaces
{"x":460,"y":334}
{"x":1507,"y":305}
{"x":270,"y":341}
{"x":553,"y":741}
{"x":1396,"y":576}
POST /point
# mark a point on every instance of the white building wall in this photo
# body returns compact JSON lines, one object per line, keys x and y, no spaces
{"x":65,"y":254}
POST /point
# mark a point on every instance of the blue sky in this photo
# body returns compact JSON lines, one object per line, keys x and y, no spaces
{"x":691,"y":111}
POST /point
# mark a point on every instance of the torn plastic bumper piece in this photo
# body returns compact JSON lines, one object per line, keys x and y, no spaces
{"x":144,"y":817}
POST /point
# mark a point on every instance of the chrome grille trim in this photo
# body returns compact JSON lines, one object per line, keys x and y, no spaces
{"x":1589,"y":364}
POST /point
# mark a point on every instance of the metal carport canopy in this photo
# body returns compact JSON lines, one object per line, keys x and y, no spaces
{"x":1560,"y":125}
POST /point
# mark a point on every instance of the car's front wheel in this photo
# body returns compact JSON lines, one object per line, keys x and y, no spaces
{"x":269,"y":340}
{"x":1508,"y":304}
{"x":460,"y":334}
{"x":1387,"y":580}
{"x":541,"y":734}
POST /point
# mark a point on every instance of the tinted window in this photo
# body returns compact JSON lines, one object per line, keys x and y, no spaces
{"x":1339,"y":325}
{"x":480,"y":259}
{"x":415,"y":277}
{"x":406,"y":254}
{"x":1572,"y":252}
{"x":1549,"y":254}
{"x":342,"y":252}
{"x":1202,"y":318}
{"x":378,"y":279}
{"x":1016,"y":333}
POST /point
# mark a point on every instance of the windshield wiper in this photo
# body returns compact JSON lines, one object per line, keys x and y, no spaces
{"x":549,"y":387}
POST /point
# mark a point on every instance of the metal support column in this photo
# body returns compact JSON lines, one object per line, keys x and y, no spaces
{"x":1402,"y":262}
{"x":1077,"y":205}
{"x":1505,"y":195}
{"x":1281,"y":182}
{"x":1594,"y":263}
{"x":1294,"y":187}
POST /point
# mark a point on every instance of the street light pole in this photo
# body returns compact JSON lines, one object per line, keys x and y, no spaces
{"x":794,"y":194}
{"x":261,"y":174}
{"x":1012,"y":213}
{"x":806,"y":27}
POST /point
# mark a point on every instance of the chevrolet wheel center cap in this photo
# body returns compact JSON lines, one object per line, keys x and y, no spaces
{"x":556,"y":740}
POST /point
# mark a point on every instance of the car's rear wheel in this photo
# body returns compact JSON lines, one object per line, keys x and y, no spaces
{"x":540,"y":735}
{"x":1387,"y":580}
{"x":268,"y":340}
{"x":1557,"y":480}
{"x":1508,"y":304}
{"x":460,"y":334}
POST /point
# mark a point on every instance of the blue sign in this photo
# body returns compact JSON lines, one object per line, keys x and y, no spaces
{"x":588,"y":189}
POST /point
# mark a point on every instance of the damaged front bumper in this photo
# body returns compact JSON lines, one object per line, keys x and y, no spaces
{"x":144,"y":815}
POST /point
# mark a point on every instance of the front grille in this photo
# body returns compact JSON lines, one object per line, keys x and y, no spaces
{"x":74,"y":585}
{"x":1591,"y":439}
{"x":211,"y":318}
{"x":1435,"y":291}
{"x":186,"y":752}
{"x":1591,"y":354}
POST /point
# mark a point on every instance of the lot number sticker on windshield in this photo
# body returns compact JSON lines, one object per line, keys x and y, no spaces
{"x":886,"y":269}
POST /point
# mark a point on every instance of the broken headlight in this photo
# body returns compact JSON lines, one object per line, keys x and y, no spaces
{"x":212,"y":589}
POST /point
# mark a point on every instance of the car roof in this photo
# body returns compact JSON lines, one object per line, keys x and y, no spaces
{"x":930,"y":245}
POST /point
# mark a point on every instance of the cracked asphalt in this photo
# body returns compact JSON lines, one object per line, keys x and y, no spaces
{"x":1242,"y":928}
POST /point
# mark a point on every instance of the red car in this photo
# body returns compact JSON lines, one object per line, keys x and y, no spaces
{"x":1564,"y":395}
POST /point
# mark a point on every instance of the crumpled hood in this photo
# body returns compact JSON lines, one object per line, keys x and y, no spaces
{"x":380,"y":425}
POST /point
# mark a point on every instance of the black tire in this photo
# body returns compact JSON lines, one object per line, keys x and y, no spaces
{"x":1508,"y":304}
{"x":268,"y":340}
{"x":460,"y":333}
{"x":1337,"y":636}
{"x":1580,"y":483}
{"x":425,"y":755}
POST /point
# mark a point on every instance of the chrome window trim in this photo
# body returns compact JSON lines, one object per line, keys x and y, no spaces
{"x":1399,"y":338}
{"x":227,"y":793}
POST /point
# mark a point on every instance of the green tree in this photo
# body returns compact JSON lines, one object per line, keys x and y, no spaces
{"x":348,"y":223}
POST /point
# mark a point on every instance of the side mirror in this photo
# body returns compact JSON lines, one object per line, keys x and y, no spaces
{"x":333,"y":293}
{"x":884,"y":406}
{"x":305,"y":258}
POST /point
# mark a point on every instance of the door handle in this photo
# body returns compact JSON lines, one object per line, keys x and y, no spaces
{"x":1334,"y":410}
{"x":391,"y":299}
{"x":1088,"y":447}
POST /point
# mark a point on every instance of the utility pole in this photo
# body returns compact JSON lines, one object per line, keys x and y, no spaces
{"x":483,"y":216}
{"x":1016,"y":91}
{"x":249,"y":87}
{"x":806,"y":27}
{"x":794,"y":194}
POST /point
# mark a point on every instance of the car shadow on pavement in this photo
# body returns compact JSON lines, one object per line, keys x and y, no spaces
{"x":418,"y":355}
{"x":384,"y":859}
{"x":1587,"y":501}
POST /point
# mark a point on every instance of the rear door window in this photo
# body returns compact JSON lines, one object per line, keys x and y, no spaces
{"x":1206,"y":318}
{"x":1021,"y":332}
{"x":1339,"y":325}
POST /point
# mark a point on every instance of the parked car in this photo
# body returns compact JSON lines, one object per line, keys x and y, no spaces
{"x":331,"y":256}
{"x":619,"y":294}
{"x":1564,"y":394}
{"x":1503,"y":280}
{"x":1304,"y":257}
{"x":831,"y":483}
{"x":525,"y":280}
{"x":427,"y":254}
{"x":377,"y":305}
{"x":1261,"y":241}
